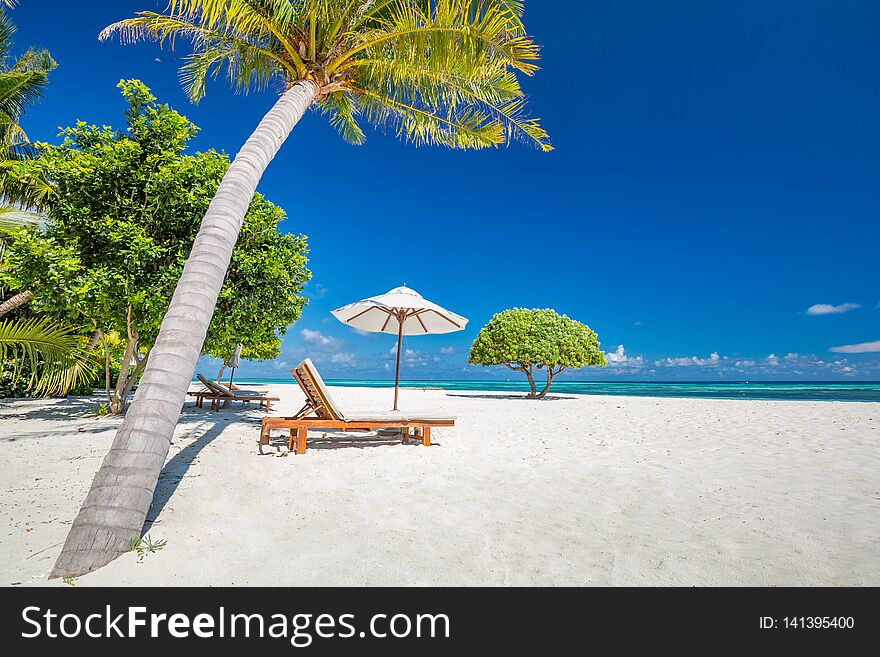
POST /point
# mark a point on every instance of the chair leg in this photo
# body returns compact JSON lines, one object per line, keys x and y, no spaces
{"x":426,"y":436}
{"x":264,"y":437}
{"x":301,"y":437}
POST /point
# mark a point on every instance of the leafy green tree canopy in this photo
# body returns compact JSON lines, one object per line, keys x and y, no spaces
{"x":123,"y":210}
{"x":523,"y":340}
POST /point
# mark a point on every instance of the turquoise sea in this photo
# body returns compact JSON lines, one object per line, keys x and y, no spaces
{"x":772,"y":390}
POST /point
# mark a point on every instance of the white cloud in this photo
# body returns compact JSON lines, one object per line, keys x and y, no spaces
{"x":693,"y":361}
{"x":861,"y":348}
{"x":447,"y":350}
{"x":408,"y":356}
{"x":318,"y":339}
{"x":772,"y":360}
{"x":342,"y":359}
{"x":319,"y":291}
{"x":618,"y":358}
{"x":829,"y":309}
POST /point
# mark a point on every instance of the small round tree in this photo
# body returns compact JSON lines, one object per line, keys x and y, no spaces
{"x":523,"y":340}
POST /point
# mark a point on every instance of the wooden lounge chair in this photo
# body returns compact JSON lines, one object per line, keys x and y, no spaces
{"x":320,"y":412}
{"x":219,"y":394}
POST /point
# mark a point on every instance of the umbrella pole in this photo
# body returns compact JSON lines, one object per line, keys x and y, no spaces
{"x":400,"y":322}
{"x":231,"y":374}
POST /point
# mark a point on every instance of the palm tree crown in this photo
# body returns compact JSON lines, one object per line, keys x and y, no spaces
{"x":432,"y":71}
{"x":21,"y":83}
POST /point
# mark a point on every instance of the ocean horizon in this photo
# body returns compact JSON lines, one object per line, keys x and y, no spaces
{"x":858,"y":391}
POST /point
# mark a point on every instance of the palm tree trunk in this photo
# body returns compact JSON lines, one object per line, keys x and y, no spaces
{"x":116,"y":506}
{"x":18,"y":300}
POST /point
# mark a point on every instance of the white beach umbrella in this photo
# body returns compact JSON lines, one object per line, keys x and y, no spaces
{"x":401,"y":311}
{"x":233,"y":362}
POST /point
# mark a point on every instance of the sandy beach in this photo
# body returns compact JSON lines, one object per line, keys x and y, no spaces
{"x":572,"y":490}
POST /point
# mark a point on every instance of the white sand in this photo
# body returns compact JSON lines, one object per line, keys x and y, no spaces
{"x":569,"y":491}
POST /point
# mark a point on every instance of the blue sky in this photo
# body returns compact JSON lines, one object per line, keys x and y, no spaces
{"x":715,"y":177}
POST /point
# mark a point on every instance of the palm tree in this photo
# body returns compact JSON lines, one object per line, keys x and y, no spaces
{"x":21,"y":84}
{"x":434,"y":72}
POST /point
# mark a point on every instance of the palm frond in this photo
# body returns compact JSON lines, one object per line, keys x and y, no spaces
{"x":450,"y":32}
{"x":456,"y":128}
{"x":234,"y":20}
{"x":21,"y":85}
{"x":247,"y":67}
{"x":55,"y":354}
{"x":35,"y":59}
{"x":432,"y":71}
{"x":343,"y":110}
{"x":7,"y":32}
{"x":23,"y":185}
{"x":12,"y":217}
{"x":19,"y":90}
{"x":451,"y":59}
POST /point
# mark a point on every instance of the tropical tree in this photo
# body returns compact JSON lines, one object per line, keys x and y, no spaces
{"x":434,"y":72}
{"x":38,"y":354}
{"x":12,"y":217}
{"x":528,"y":340}
{"x":21,"y":84}
{"x":54,"y":355}
{"x":124,"y":214}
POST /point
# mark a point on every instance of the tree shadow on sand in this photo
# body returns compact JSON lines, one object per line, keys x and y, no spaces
{"x":176,"y":467}
{"x":520,"y":396}
{"x":60,"y":408}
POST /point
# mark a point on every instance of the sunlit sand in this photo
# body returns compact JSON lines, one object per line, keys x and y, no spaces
{"x":573,"y":490}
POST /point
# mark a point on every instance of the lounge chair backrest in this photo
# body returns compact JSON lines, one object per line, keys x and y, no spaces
{"x":306,"y":374}
{"x":216,"y":388}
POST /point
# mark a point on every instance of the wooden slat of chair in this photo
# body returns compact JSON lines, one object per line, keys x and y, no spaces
{"x":304,"y":377}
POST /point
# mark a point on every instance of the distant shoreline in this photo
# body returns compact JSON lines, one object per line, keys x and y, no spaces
{"x":840,"y":391}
